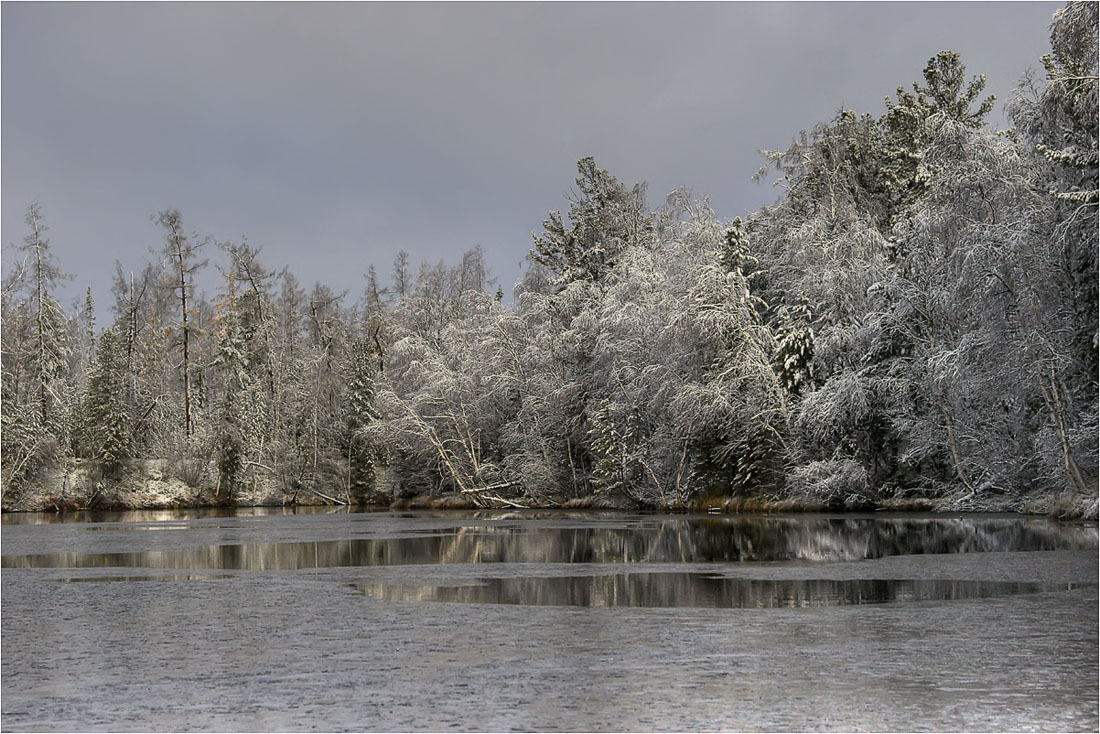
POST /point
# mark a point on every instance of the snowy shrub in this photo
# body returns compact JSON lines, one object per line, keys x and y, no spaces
{"x":838,"y":483}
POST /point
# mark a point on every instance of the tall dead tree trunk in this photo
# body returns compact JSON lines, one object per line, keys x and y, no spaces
{"x":186,"y":335}
{"x":182,"y":253}
{"x":40,"y":315}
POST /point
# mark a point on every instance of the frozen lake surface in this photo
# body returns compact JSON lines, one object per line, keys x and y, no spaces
{"x":274,"y":620}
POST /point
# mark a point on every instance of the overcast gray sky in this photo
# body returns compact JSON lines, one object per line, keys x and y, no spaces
{"x":334,"y":135}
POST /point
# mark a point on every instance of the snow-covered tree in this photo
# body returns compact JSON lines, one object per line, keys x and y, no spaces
{"x":106,"y":429}
{"x":181,"y":255}
{"x":910,"y":121}
{"x":604,"y":219}
{"x":1059,"y":119}
{"x":36,"y":347}
{"x":360,"y":374}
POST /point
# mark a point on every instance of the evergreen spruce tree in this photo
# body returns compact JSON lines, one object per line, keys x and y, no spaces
{"x":1062,"y":123}
{"x":605,"y":219}
{"x":910,"y":122}
{"x":51,"y":346}
{"x":36,"y":348}
{"x":360,"y":414}
{"x":793,"y":360}
{"x":106,"y":419}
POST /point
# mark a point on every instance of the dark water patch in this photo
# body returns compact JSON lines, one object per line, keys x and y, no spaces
{"x":113,"y":527}
{"x":124,"y":579}
{"x":449,"y":530}
{"x":699,"y":590}
{"x":658,"y":539}
{"x":653,"y":539}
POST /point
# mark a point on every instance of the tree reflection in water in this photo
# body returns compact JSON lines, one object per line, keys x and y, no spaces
{"x":697,"y":590}
{"x":656,"y":539}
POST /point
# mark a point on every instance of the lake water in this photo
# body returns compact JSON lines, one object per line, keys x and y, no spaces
{"x":326,"y":620}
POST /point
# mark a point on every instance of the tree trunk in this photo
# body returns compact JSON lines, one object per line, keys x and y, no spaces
{"x":956,"y":454}
{"x":186,"y":335}
{"x":1053,"y":399}
{"x":40,"y":320}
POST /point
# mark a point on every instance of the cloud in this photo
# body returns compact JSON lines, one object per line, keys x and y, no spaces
{"x":333,"y":135}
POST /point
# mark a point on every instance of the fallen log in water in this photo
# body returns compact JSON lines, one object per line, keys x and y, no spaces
{"x":482,"y":493}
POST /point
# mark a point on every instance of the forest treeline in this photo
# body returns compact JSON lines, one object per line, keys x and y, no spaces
{"x":912,"y":323}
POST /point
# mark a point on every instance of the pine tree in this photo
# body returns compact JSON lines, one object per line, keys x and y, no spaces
{"x":360,"y":378}
{"x":1061,"y":122}
{"x":610,"y":450}
{"x":736,"y":259}
{"x":36,"y":348}
{"x":374,"y":295}
{"x":910,"y":122}
{"x":401,"y":276}
{"x":605,"y":219}
{"x":82,"y":363}
{"x":106,"y":418}
{"x":245,"y":331}
{"x":50,"y":348}
{"x":793,"y":360}
{"x":1071,"y":98}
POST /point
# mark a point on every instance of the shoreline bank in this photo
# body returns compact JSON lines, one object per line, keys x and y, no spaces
{"x":1058,"y":508}
{"x":154,"y":485}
